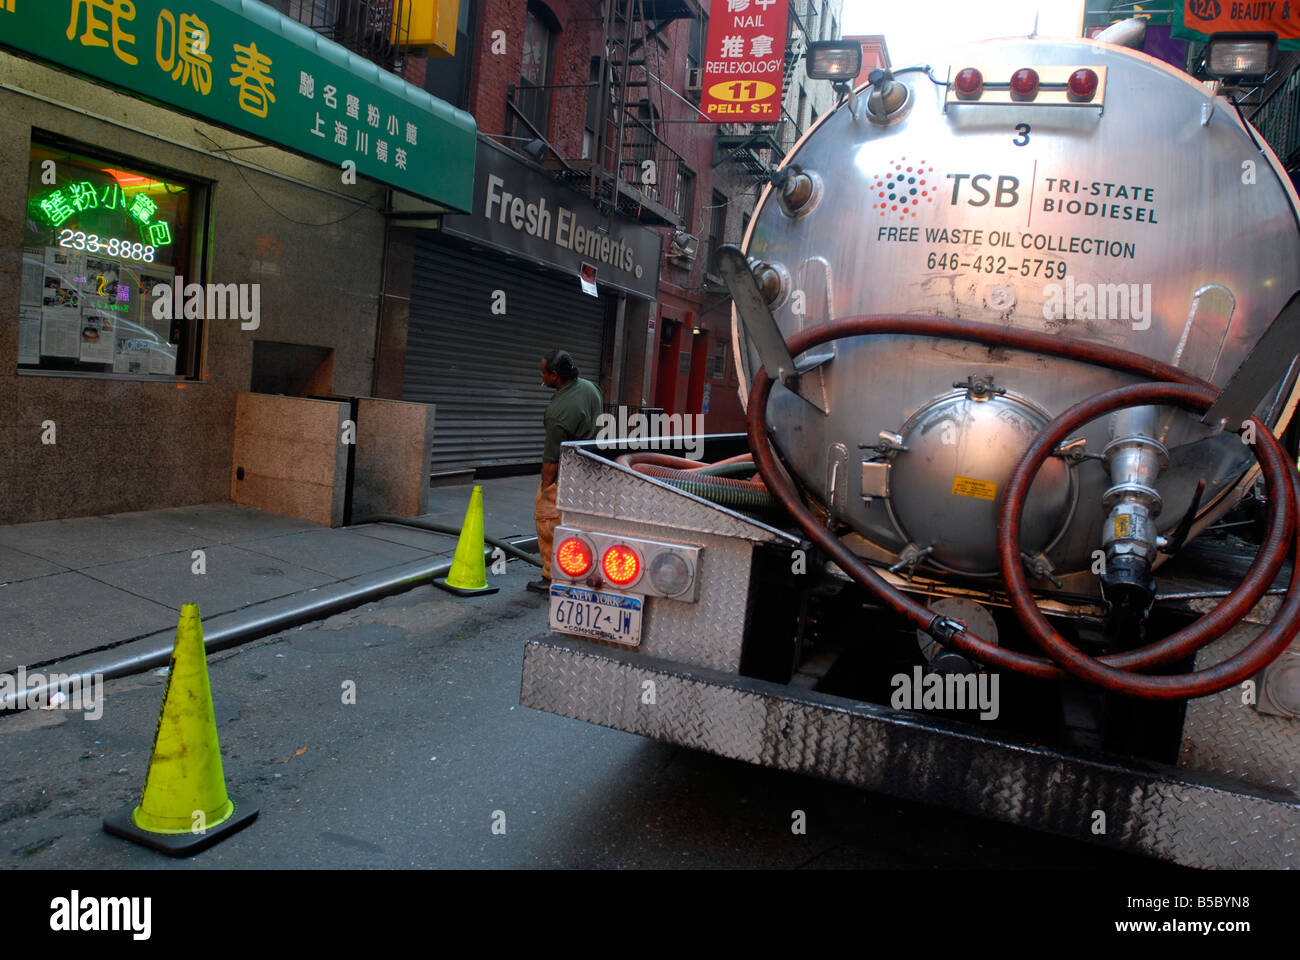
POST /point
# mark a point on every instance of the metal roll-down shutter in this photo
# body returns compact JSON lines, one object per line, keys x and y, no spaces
{"x":480,"y":368}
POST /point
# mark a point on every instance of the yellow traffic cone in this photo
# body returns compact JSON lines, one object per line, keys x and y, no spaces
{"x":468,"y":576}
{"x":185,"y":806}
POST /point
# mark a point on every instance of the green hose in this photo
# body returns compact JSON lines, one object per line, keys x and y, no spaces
{"x":742,"y":469}
{"x":737,"y":498}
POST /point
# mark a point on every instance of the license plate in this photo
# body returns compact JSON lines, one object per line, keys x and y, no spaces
{"x":596,"y":613}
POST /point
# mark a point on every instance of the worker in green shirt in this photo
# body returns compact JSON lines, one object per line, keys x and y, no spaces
{"x":573,"y":414}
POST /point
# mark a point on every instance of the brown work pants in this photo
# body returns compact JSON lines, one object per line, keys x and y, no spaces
{"x":547,"y":517}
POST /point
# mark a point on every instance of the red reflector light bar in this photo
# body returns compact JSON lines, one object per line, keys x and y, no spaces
{"x":1024,"y":84}
{"x":1082,"y":84}
{"x":1052,"y":85}
{"x":969,"y":82}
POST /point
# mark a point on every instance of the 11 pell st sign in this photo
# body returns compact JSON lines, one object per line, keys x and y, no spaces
{"x":744,"y":60}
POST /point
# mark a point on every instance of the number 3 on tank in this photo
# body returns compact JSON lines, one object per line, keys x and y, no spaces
{"x":1023,"y":130}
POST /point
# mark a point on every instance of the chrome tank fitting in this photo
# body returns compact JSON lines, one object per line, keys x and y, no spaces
{"x":1134,"y":458}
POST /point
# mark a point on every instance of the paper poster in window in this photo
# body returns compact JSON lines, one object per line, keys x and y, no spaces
{"x":60,"y":332}
{"x":33,"y":276}
{"x":146,"y":279}
{"x":130,"y":291}
{"x":132,"y":356}
{"x":162,"y":360}
{"x":97,"y":338}
{"x":70,"y":265}
{"x":61,"y":304}
{"x":29,"y":334}
{"x":61,"y":291}
{"x":99,"y":288}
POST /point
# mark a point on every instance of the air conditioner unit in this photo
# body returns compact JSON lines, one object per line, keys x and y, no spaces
{"x":694,"y":79}
{"x":683,"y":247}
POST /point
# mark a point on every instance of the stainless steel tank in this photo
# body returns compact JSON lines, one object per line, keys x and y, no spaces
{"x":1144,"y":219}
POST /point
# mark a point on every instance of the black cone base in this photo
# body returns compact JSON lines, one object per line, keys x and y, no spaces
{"x":462,"y":591}
{"x":120,"y":824}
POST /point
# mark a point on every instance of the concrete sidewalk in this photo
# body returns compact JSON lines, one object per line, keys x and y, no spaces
{"x":69,"y":587}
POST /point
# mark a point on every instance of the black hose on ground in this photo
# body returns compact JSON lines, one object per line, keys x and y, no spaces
{"x":505,"y":545}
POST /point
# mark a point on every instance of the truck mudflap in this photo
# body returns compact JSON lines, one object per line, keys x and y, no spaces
{"x":1189,"y":818}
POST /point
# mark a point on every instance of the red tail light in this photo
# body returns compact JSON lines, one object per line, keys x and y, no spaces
{"x":1082,"y":84}
{"x":1024,"y":84}
{"x":574,"y":557}
{"x":969,"y":82}
{"x":621,"y":565}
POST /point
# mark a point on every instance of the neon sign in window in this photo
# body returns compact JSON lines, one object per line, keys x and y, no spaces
{"x":98,"y":238}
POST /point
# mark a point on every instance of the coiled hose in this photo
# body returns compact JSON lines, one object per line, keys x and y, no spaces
{"x":1113,"y":672}
{"x":709,"y":481}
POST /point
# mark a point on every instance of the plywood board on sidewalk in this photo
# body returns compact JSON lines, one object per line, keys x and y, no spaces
{"x":394,"y":443}
{"x":289,"y":457}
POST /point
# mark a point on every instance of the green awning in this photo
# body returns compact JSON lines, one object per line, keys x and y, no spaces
{"x":243,"y":65}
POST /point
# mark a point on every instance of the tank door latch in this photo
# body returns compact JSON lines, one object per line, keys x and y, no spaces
{"x":979,"y":388}
{"x":1075,"y":451}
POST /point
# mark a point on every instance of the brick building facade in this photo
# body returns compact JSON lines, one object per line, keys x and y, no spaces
{"x":532,"y":71}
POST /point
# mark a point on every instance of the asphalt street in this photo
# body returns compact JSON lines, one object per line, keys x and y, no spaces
{"x":436,"y":751}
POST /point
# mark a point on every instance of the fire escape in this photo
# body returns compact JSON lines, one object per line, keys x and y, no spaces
{"x":760,"y":148}
{"x":631,"y":168}
{"x":1278,"y":120}
{"x":374,"y":29}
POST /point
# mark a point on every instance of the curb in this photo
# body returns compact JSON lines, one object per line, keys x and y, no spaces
{"x":238,"y":626}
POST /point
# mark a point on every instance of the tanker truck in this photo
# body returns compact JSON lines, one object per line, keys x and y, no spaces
{"x":1011,"y":529}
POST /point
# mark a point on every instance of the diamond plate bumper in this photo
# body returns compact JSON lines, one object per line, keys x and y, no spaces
{"x":1177,"y":815}
{"x":1221,"y":733}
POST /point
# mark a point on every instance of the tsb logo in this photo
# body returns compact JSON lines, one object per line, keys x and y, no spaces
{"x":1005,"y":194}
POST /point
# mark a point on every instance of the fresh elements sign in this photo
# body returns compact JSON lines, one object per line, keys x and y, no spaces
{"x":744,"y":62}
{"x":521,"y":211}
{"x":242,"y":64}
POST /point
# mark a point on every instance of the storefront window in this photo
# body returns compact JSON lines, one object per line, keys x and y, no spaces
{"x":98,"y":239}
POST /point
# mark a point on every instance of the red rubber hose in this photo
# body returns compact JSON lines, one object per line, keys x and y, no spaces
{"x":668,"y":467}
{"x":1282,"y":504}
{"x":1110,"y":675}
{"x":679,"y":463}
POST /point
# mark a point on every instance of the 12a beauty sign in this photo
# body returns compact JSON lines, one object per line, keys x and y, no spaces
{"x":1200,"y":19}
{"x":744,"y":62}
